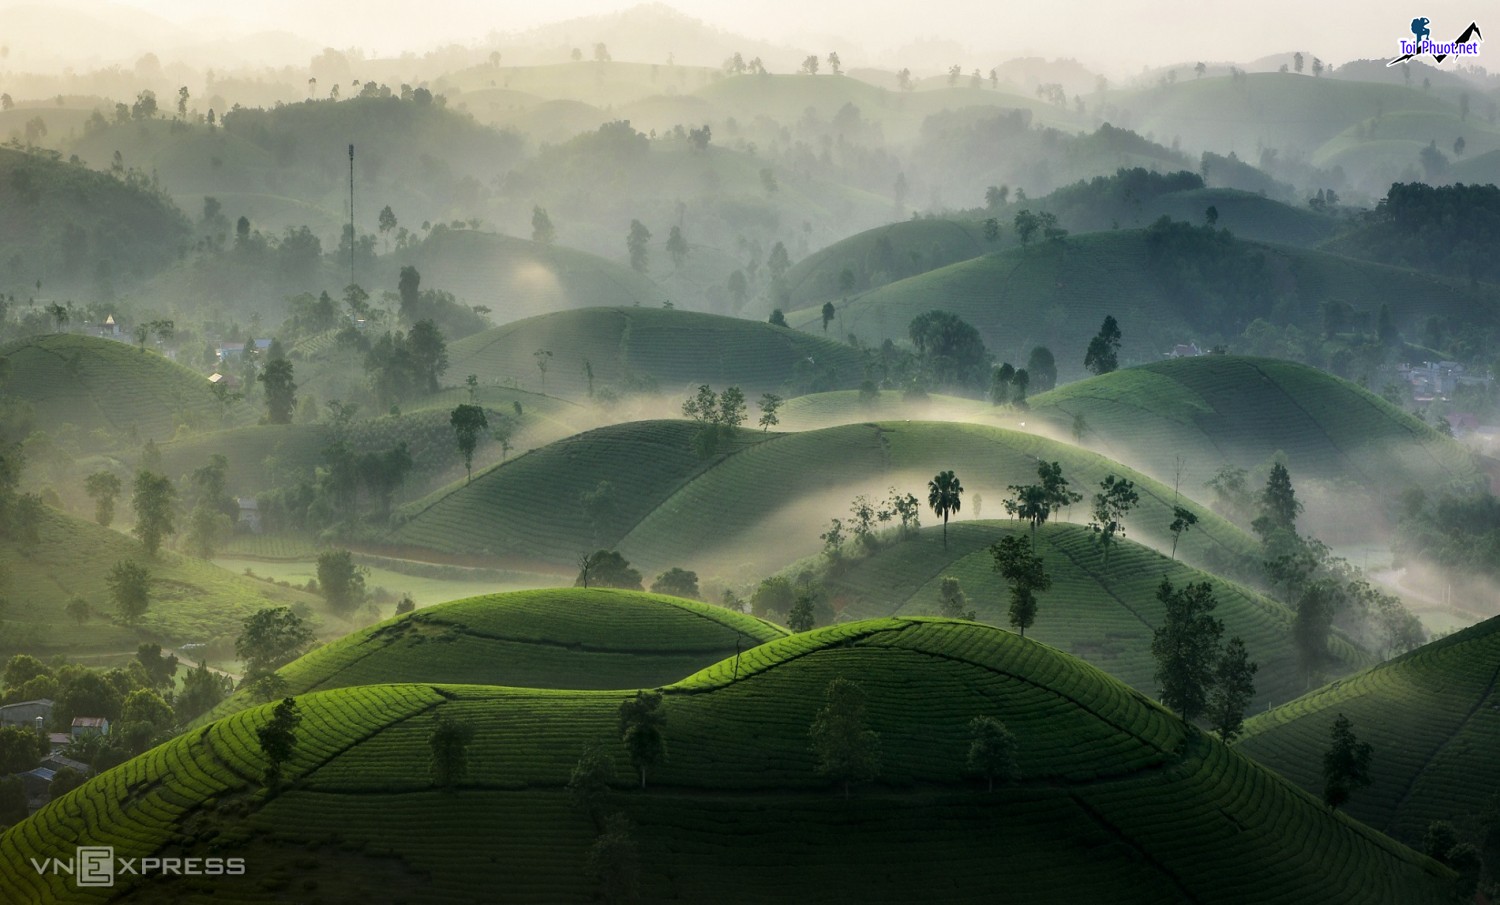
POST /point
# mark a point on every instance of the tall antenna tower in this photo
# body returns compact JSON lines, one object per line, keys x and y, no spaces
{"x":352,"y":234}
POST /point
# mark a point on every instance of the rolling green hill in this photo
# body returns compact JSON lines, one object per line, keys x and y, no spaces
{"x":1114,"y":799}
{"x":1102,"y":612}
{"x":517,"y":278}
{"x":562,"y":638}
{"x":94,"y":384}
{"x":1058,"y":294}
{"x":1217,"y":410}
{"x":191,"y":600}
{"x":629,"y":346}
{"x":78,"y":230}
{"x":265,"y":456}
{"x":752,"y":508}
{"x":881,"y":255}
{"x":1433,"y":719}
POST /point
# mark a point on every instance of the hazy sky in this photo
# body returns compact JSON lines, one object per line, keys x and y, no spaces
{"x":1119,"y":34}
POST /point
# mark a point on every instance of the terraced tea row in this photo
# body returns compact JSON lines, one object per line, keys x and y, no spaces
{"x":1110,"y":788}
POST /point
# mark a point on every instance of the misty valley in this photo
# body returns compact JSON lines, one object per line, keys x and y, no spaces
{"x":628,"y":459}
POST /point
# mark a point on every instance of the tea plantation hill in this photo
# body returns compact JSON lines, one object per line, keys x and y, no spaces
{"x":1057,"y":295}
{"x":881,"y":255}
{"x":1101,"y":611}
{"x":266,"y":456}
{"x":835,"y":407}
{"x":298,"y":152}
{"x":1288,"y":111}
{"x":518,"y":278}
{"x":78,"y":230}
{"x":1115,"y":798}
{"x":562,"y":638}
{"x":630,"y":348}
{"x":1217,"y":410}
{"x":102,"y":384}
{"x":756,"y":505}
{"x":1432,"y":718}
{"x":191,"y":600}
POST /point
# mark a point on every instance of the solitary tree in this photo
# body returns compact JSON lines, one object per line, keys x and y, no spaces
{"x":846,"y":751}
{"x":1023,"y":570}
{"x":1026,"y":224}
{"x":677,"y":582}
{"x":1233,"y":689}
{"x":278,"y":739}
{"x":677,"y":246}
{"x":341,"y":581}
{"x":1116,"y":497}
{"x":770,"y":404}
{"x":829,"y":313}
{"x":1279,"y":506}
{"x":1182,"y":520}
{"x":542,"y":230}
{"x":1186,"y":647}
{"x":130,"y":588}
{"x":103,"y":487}
{"x":944,"y":495}
{"x":607,"y":569}
{"x":615,"y":862}
{"x":992,"y":750}
{"x":270,"y":639}
{"x":281,"y":391}
{"x":449,"y":742}
{"x":800,"y":617}
{"x":635,"y":243}
{"x":953,"y":603}
{"x":1103,"y":355}
{"x":641,"y":721}
{"x":588,"y":784}
{"x":1346,"y":764}
{"x":153,"y":509}
{"x":469,"y":424}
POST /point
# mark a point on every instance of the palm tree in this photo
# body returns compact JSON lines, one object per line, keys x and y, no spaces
{"x":943,"y":494}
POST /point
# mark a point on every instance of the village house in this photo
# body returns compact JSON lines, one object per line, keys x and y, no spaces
{"x":84,"y":726}
{"x":26,"y":713}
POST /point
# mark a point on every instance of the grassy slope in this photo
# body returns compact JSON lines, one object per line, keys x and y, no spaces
{"x":767,"y":504}
{"x":560,"y":638}
{"x":646,"y":342}
{"x":1115,"y":798}
{"x":98,"y":383}
{"x":265,"y":456}
{"x":760,"y":505}
{"x":1102,"y":612}
{"x":191,"y":600}
{"x":518,"y":278}
{"x":1058,"y":295}
{"x":815,"y":278}
{"x":1432,"y":717}
{"x":1219,"y":410}
{"x":1246,"y":214}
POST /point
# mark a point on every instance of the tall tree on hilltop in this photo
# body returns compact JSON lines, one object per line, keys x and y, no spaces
{"x":152,"y":501}
{"x":1017,"y":562}
{"x":1103,"y":355}
{"x":847,"y":752}
{"x":635,"y":243}
{"x":945,"y":496}
{"x":281,"y":391}
{"x":1346,"y":764}
{"x":1186,"y":647}
{"x":468,"y":422}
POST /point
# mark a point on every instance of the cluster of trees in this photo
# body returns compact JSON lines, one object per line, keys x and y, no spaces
{"x":1197,"y":675}
{"x":1216,"y":282}
{"x":865,"y":522}
{"x":1458,"y":531}
{"x":719,"y":415}
{"x":346,"y":487}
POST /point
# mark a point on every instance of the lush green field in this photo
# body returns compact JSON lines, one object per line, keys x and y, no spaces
{"x":815,"y":410}
{"x":1217,"y":410}
{"x":1115,"y":799}
{"x":265,"y":456}
{"x":625,"y":345}
{"x":882,"y":255}
{"x":1058,"y":294}
{"x":755,"y":508}
{"x":191,"y":600}
{"x":1102,"y":612}
{"x":558,"y":638}
{"x":1246,"y":214}
{"x":1433,"y":718}
{"x":93,"y":383}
